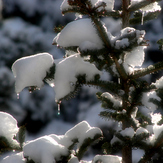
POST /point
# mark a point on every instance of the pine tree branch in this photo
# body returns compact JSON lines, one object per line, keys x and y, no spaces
{"x":141,"y":4}
{"x":145,"y":71}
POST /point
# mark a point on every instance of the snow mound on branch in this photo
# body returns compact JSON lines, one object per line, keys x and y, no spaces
{"x":116,"y":102}
{"x":44,"y":149}
{"x":77,"y":32}
{"x":146,"y":100}
{"x":67,"y":71}
{"x":31,"y":70}
{"x":134,"y":59}
{"x":47,"y":148}
{"x":8,"y":127}
{"x":159,"y":83}
{"x":107,"y":159}
{"x":128,"y":132}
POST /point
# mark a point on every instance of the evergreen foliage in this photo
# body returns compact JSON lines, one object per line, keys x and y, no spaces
{"x":124,"y":98}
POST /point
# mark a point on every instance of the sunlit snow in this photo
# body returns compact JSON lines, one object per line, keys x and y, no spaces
{"x":77,"y":32}
{"x":67,"y":71}
{"x":31,"y":70}
{"x":8,"y":127}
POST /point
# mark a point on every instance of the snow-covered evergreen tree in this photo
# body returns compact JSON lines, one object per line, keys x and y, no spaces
{"x":92,"y":52}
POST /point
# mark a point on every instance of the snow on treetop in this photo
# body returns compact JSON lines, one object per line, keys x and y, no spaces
{"x":67,"y":71}
{"x":31,"y":70}
{"x":77,"y":32}
{"x":8,"y":127}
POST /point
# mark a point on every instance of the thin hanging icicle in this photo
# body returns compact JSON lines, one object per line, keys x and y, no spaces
{"x":17,"y":95}
{"x":142,"y":18}
{"x":59,"y":107}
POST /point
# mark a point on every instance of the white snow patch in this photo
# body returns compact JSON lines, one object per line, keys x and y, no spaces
{"x":66,"y":72}
{"x":31,"y":70}
{"x":107,"y":159}
{"x":77,"y":32}
{"x":8,"y":127}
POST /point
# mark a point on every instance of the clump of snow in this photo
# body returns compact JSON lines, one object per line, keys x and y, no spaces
{"x":44,"y":149}
{"x":134,"y":59}
{"x":77,"y":32}
{"x":159,"y":83}
{"x":14,"y":158}
{"x":141,"y":130}
{"x":82,"y":131}
{"x":127,"y":30}
{"x":122,"y":43}
{"x":109,"y":4}
{"x":107,"y":159}
{"x":128,"y":132}
{"x":114,"y":140}
{"x":31,"y":70}
{"x":8,"y":127}
{"x":66,"y":72}
{"x":133,"y":2}
{"x":151,"y":8}
{"x":52,"y":147}
{"x":116,"y":102}
{"x":156,"y":117}
{"x":145,"y":100}
{"x":157,"y":130}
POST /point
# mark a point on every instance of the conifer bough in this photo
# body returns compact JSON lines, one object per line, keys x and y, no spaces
{"x":92,"y":51}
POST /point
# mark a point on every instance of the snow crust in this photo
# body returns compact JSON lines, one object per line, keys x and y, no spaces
{"x":66,"y":72}
{"x":77,"y":32}
{"x":31,"y":70}
{"x":8,"y":127}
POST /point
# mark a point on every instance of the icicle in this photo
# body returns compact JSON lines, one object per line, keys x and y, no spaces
{"x":142,"y":18}
{"x":17,"y":96}
{"x":59,"y":106}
